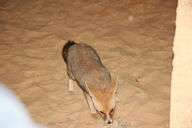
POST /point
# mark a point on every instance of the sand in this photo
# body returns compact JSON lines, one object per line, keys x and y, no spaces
{"x":133,"y":38}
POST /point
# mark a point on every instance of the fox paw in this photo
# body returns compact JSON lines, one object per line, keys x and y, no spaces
{"x":71,"y":93}
{"x":93,"y":112}
{"x":118,"y":99}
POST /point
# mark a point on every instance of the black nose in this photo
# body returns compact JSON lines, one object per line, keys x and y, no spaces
{"x":109,"y":121}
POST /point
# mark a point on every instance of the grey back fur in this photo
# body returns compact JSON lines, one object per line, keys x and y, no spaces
{"x":84,"y":65}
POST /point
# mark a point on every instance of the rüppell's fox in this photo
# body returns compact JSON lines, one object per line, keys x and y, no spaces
{"x":85,"y":67}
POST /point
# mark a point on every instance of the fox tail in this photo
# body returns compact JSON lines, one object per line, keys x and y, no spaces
{"x":66,"y":48}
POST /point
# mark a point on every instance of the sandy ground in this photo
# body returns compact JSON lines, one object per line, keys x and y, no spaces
{"x":133,"y":38}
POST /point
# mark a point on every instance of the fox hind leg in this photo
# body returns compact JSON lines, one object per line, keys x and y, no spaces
{"x":90,"y":103}
{"x":71,"y":89}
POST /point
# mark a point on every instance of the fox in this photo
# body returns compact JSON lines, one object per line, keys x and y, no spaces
{"x":85,"y":68}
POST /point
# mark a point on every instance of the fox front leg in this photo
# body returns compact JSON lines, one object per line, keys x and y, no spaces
{"x":90,"y":103}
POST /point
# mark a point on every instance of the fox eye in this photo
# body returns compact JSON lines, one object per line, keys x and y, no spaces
{"x":102,"y":114}
{"x":111,"y":112}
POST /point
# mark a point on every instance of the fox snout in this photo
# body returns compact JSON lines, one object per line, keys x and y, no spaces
{"x":109,"y":120}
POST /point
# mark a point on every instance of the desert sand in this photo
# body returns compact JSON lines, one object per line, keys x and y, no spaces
{"x":134,"y":39}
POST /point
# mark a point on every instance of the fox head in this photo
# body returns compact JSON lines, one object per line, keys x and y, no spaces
{"x":105,"y":101}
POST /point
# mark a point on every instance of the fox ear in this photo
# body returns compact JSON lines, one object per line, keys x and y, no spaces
{"x":114,"y":85}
